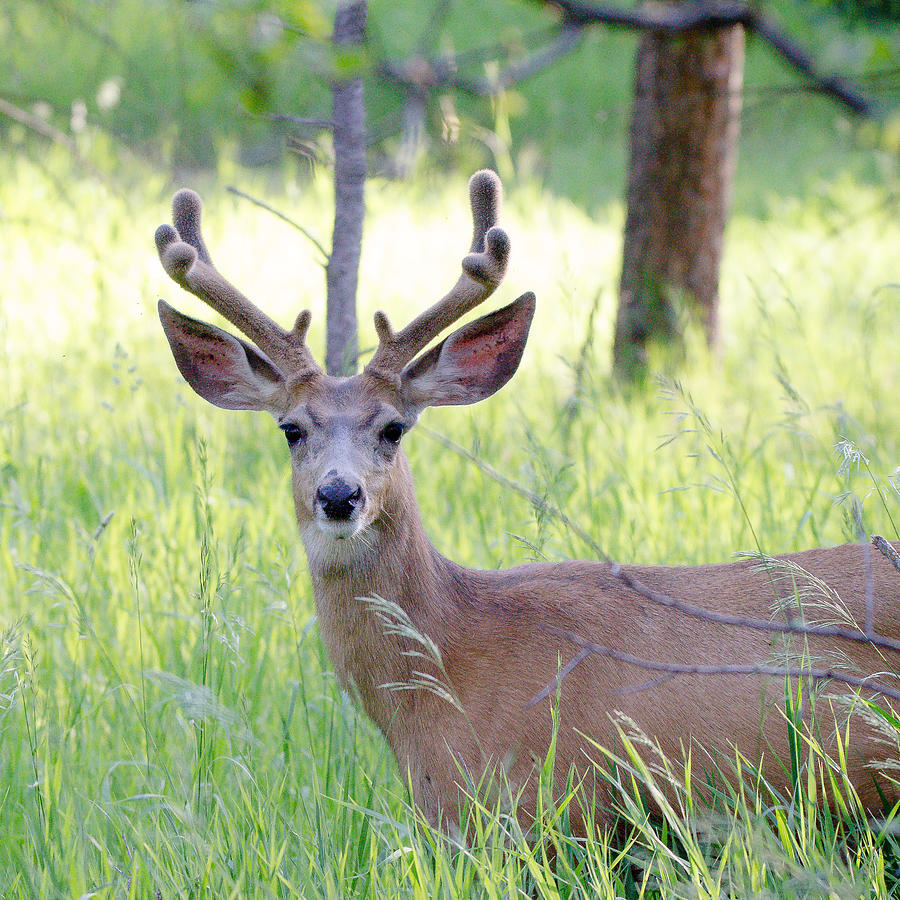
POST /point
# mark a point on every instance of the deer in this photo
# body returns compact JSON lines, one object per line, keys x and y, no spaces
{"x":502,"y":638}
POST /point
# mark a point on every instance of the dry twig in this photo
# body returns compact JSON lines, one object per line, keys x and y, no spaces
{"x":881,"y":544}
{"x":867,"y":636}
{"x":699,"y":612}
{"x":589,"y":648}
{"x":311,"y":238}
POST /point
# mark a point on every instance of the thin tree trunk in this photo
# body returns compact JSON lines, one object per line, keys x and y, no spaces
{"x":684,"y":129}
{"x":349,"y":117}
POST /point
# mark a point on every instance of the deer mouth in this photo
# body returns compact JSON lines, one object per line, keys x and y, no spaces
{"x":340,"y":530}
{"x":336,"y":549}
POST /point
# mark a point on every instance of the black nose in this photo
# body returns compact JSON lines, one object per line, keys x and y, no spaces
{"x":338,"y":499}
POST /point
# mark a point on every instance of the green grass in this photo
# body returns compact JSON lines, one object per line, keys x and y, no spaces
{"x":169,"y":725}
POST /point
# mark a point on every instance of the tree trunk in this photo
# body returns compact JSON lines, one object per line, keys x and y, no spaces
{"x":684,"y":129}
{"x":349,"y":118}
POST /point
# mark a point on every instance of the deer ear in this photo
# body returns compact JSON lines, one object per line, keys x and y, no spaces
{"x":473,"y":362}
{"x":223,"y":369}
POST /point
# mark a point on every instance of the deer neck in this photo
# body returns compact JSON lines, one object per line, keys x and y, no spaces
{"x":392,"y":560}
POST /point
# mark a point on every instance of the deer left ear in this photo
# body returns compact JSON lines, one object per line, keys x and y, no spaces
{"x":221,"y":368}
{"x":473,"y":362}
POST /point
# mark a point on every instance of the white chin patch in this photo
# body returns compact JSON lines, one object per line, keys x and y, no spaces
{"x":341,"y":544}
{"x":338,"y":530}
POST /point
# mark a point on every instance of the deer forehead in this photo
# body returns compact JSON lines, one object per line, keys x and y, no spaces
{"x":356,"y":402}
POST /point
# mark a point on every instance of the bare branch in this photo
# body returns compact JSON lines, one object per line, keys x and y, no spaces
{"x":500,"y":48}
{"x":870,"y":591}
{"x":881,"y":544}
{"x":45,"y":129}
{"x":676,"y":19}
{"x":300,"y":120}
{"x":539,"y":502}
{"x":432,"y":30}
{"x":699,"y":612}
{"x":310,"y":237}
{"x":670,"y":669}
{"x":422,"y":75}
{"x":832,"y":85}
{"x":37,"y":124}
{"x":567,"y":40}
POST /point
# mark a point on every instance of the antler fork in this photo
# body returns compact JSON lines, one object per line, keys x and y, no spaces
{"x":483,"y":270}
{"x":185,"y":258}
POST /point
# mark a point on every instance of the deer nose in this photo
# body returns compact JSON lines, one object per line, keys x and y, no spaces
{"x":338,"y":499}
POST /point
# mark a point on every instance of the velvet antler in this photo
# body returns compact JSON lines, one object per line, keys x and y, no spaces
{"x":483,"y":270}
{"x":185,"y":258}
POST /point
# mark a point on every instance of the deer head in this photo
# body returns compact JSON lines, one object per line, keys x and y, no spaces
{"x":344,"y":432}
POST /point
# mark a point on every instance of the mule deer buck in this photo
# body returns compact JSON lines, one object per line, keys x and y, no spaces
{"x":503,"y":636}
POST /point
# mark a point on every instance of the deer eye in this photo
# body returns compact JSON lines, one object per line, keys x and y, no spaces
{"x":293,"y":433}
{"x":392,"y":432}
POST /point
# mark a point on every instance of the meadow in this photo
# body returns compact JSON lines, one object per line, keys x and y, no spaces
{"x":169,"y":724}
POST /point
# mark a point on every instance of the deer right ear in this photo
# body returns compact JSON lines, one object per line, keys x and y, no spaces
{"x":474,"y":361}
{"x":223,"y":369}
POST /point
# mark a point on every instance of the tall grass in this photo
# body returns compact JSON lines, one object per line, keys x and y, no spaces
{"x":169,"y":725}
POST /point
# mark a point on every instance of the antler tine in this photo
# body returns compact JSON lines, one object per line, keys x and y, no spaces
{"x":483,"y":270}
{"x":186,"y":260}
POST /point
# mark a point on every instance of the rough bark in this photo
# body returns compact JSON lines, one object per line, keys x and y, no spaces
{"x":342,"y":342}
{"x":684,"y":130}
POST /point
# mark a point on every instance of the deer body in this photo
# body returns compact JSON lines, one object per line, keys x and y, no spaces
{"x":501,"y":637}
{"x":498,"y":635}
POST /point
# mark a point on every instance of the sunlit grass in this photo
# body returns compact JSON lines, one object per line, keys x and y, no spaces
{"x":168,"y":720}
